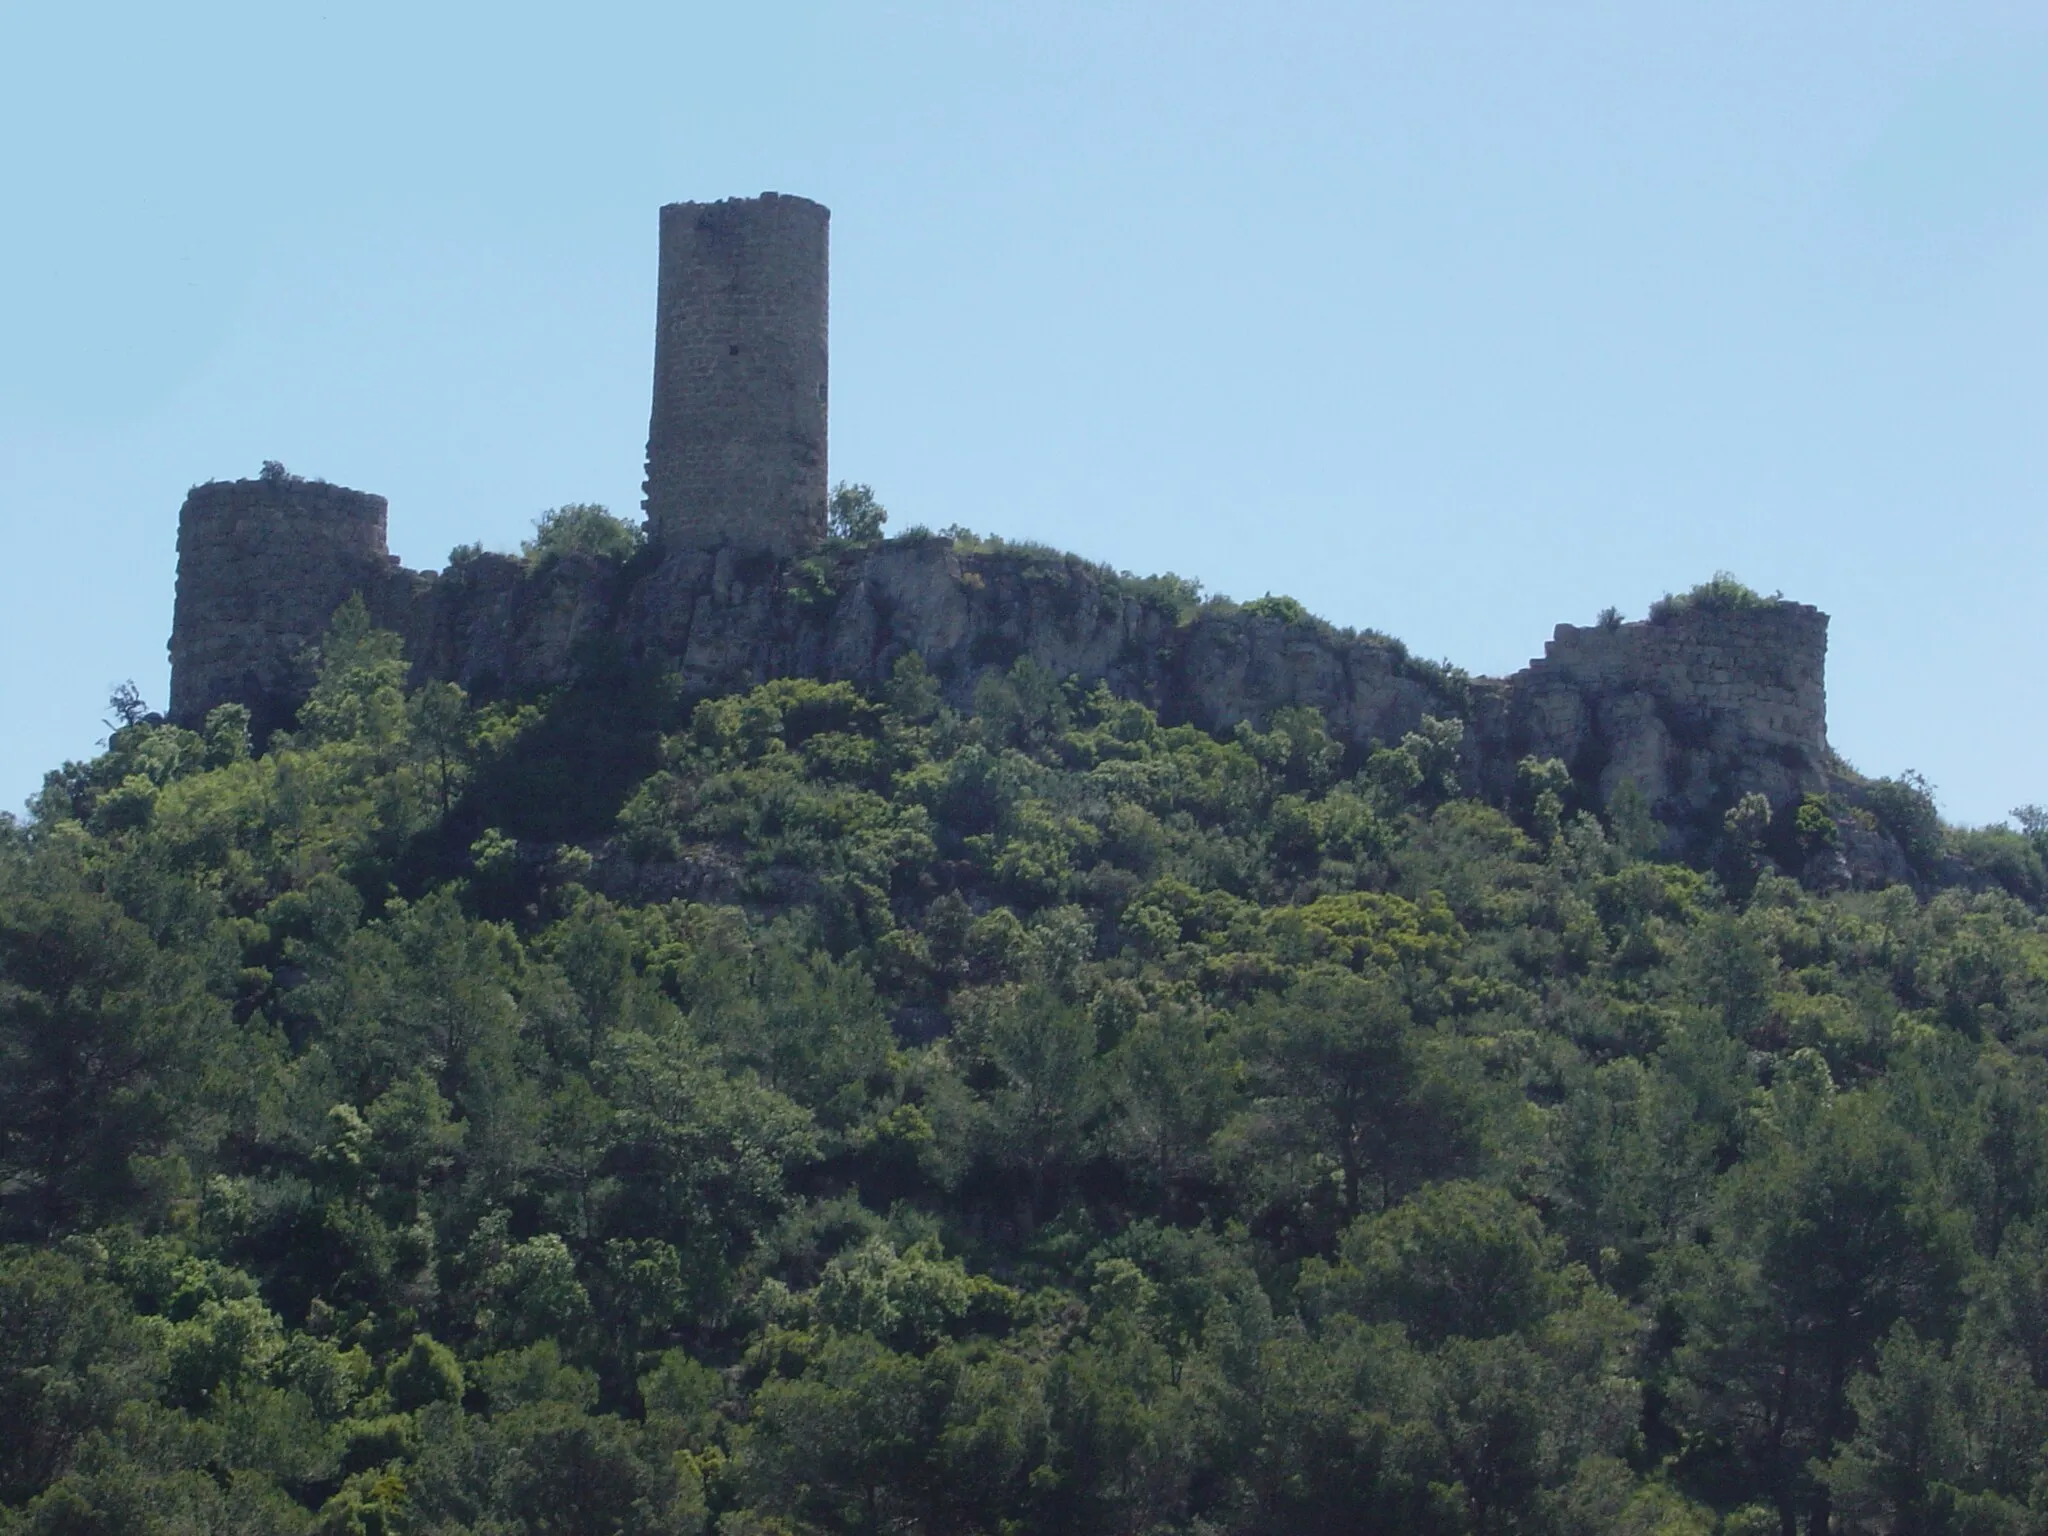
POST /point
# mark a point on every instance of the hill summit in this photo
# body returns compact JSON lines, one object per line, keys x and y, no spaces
{"x":1716,"y":698}
{"x":740,"y":1026}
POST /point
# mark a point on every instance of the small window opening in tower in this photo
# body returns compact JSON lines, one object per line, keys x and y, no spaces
{"x":733,"y":350}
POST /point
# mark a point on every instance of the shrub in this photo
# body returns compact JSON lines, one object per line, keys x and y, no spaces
{"x":581,"y":528}
{"x":227,"y":734}
{"x":426,"y":1373}
{"x":1541,"y":786}
{"x":1999,"y":856}
{"x":1722,"y":594}
{"x":855,"y":515}
{"x":1904,"y":808}
{"x":1177,"y":595}
{"x":1285,"y":609}
{"x":1631,"y":822}
{"x":1814,"y":823}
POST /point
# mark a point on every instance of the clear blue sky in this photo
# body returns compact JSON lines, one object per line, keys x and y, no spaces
{"x":1453,"y":320}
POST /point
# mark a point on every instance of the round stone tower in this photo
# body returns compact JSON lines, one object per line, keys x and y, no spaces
{"x":736,"y":446}
{"x":262,"y":565}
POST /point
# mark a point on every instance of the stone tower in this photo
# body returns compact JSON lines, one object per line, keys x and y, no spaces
{"x":736,"y":446}
{"x":262,"y":565}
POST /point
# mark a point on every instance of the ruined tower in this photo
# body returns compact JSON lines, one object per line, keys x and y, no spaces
{"x":262,"y":565}
{"x":736,"y":446}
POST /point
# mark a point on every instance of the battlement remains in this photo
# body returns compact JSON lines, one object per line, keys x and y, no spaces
{"x":1698,"y":705}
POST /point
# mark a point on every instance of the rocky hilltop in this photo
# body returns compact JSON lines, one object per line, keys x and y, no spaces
{"x":1698,"y":706}
{"x":1702,"y":705}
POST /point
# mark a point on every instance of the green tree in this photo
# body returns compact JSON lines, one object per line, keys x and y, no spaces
{"x":104,"y":1041}
{"x":1455,"y":1260}
{"x":1045,"y":1087}
{"x":358,"y":691}
{"x":1904,"y":807}
{"x":697,"y":1158}
{"x":854,"y":515}
{"x":867,"y":1440}
{"x":426,"y":1373}
{"x":1346,"y":1111}
{"x":1172,"y":1086}
{"x":1827,"y":1235}
{"x":1917,"y":1462}
{"x":580,"y":528}
{"x":71,"y":1355}
{"x":443,"y":734}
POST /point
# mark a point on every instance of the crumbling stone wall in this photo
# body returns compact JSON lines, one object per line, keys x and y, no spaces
{"x":496,"y":625}
{"x":1698,"y":708}
{"x":736,"y":444}
{"x":262,"y":565}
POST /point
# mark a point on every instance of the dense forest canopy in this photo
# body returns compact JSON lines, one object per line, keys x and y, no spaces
{"x":804,"y":1111}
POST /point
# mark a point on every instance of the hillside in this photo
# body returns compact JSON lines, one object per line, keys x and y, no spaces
{"x":970,"y":1103}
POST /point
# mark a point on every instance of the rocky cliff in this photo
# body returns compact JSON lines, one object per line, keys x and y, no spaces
{"x":1699,"y":707}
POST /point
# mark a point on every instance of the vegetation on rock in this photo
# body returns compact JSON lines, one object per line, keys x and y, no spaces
{"x":854,"y":516}
{"x":1721,"y":593}
{"x":581,"y":528}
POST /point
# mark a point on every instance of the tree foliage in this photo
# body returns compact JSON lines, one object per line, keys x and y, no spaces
{"x":581,"y":528}
{"x":854,"y":514}
{"x":883,"y":1117}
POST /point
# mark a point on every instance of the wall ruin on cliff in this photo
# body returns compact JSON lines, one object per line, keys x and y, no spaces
{"x":1698,"y":708}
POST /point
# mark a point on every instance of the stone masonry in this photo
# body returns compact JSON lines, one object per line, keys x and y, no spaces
{"x":736,"y":444}
{"x":1697,"y":708}
{"x":262,"y":565}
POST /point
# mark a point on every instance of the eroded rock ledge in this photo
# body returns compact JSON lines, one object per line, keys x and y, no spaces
{"x":1699,"y":707}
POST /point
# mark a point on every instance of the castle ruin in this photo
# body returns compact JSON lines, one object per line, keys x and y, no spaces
{"x":1697,"y":706}
{"x":736,"y":446}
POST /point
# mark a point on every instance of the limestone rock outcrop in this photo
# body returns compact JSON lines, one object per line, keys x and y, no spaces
{"x":1699,"y":707}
